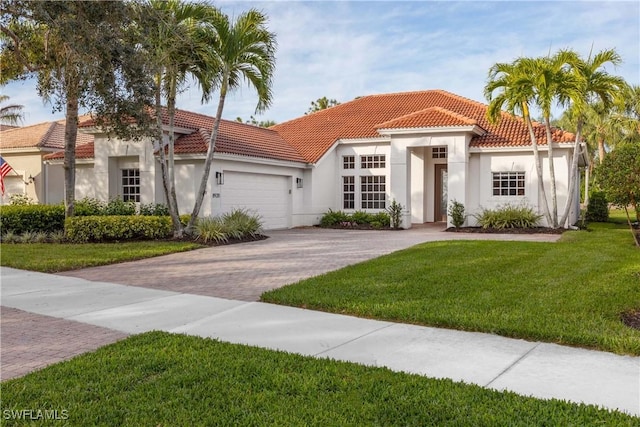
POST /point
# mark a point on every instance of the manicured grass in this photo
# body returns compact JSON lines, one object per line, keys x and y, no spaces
{"x":571,"y":292}
{"x":173,"y":380}
{"x":54,"y":257}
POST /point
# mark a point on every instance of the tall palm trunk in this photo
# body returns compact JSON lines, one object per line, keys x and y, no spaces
{"x":552,"y":173}
{"x":70,"y":136}
{"x":178,"y":230}
{"x":536,"y":156}
{"x":573,"y":174}
{"x":207,"y":164}
{"x":601,"y":151}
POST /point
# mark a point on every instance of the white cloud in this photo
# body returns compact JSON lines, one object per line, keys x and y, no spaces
{"x":346,"y":49}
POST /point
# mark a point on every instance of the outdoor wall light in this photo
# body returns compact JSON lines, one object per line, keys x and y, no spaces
{"x":30,"y":179}
{"x":219,"y":178}
{"x":299,"y":182}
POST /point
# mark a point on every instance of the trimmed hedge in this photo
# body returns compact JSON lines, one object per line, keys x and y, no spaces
{"x":117,"y":228}
{"x":20,"y":219}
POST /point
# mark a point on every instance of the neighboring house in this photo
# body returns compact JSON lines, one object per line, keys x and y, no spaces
{"x":24,"y":148}
{"x":422,"y":149}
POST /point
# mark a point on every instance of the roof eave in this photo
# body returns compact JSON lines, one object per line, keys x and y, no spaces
{"x":475,"y":129}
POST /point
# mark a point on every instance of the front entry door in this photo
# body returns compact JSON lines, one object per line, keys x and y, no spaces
{"x":440,"y":192}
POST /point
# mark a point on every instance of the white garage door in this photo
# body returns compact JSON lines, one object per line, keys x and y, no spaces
{"x":267,"y":195}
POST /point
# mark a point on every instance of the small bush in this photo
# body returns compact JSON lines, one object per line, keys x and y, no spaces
{"x":381,"y":218}
{"x":10,"y":237}
{"x":210,"y":230}
{"x":361,"y":217}
{"x":457,"y":214}
{"x":151,"y":209}
{"x":395,"y":213}
{"x":120,"y":207}
{"x":117,"y":228}
{"x":20,"y":200}
{"x":508,"y":216}
{"x":598,"y":208}
{"x":56,"y":237}
{"x":89,"y":207}
{"x":22,"y":218}
{"x":240,"y":224}
{"x":333,"y":218}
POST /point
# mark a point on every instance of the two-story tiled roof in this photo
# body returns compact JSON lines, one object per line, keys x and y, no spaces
{"x":312,"y":135}
{"x":46,"y":136}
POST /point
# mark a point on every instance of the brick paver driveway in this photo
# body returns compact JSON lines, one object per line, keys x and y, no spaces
{"x":245,"y":271}
{"x":31,"y":341}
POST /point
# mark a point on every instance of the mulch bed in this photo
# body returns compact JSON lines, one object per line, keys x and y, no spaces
{"x":534,"y":230}
{"x":632,"y":319}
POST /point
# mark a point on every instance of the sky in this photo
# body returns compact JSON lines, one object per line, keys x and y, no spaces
{"x":346,"y":49}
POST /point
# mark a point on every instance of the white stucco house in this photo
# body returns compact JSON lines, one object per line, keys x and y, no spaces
{"x":422,"y":149}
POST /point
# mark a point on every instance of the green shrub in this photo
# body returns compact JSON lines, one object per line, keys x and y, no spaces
{"x":380,"y":218}
{"x":508,"y":216}
{"x":117,"y":228}
{"x":120,"y":207}
{"x":457,"y":214}
{"x":210,"y":230}
{"x":21,"y":200}
{"x":240,"y":223}
{"x":598,"y":208}
{"x":22,"y":218}
{"x":151,"y":209}
{"x":10,"y":237}
{"x":89,"y":207}
{"x":56,"y":236}
{"x":361,"y":217}
{"x":395,"y":214}
{"x":333,"y":218}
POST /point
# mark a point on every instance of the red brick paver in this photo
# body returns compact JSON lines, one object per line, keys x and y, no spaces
{"x":31,"y":341}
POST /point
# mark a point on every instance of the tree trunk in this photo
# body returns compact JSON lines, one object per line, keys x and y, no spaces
{"x":536,"y":156}
{"x":572,"y":175}
{"x":70,"y":137}
{"x":178,"y":230}
{"x":586,"y":185}
{"x":601,"y":152}
{"x":207,"y":164}
{"x":636,"y":237}
{"x":552,"y":173}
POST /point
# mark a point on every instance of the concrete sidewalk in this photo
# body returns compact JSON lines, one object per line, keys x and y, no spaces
{"x":529,"y":368}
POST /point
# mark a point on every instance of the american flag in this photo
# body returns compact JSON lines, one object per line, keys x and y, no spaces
{"x":4,"y":171}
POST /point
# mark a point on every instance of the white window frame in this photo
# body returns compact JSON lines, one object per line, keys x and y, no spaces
{"x":373,"y":191}
{"x":508,"y":184}
{"x":439,"y":152}
{"x":348,"y":192}
{"x":373,"y":161}
{"x":130,"y":180}
{"x":349,"y":162}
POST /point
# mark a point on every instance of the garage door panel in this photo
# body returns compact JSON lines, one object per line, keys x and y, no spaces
{"x":266,"y":195}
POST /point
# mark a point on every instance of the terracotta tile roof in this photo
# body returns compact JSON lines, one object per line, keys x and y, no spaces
{"x":312,"y":135}
{"x":7,"y":127}
{"x":43,"y":135}
{"x":83,"y":151}
{"x":233,"y":137}
{"x":430,"y":117}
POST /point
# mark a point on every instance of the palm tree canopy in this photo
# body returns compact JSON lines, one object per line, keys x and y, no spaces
{"x":243,"y":50}
{"x":10,"y":114}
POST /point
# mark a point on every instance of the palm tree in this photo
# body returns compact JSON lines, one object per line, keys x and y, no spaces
{"x":10,"y":114}
{"x":243,"y":50}
{"x":176,"y":51}
{"x":510,"y":87}
{"x":552,"y":83}
{"x":592,"y":84}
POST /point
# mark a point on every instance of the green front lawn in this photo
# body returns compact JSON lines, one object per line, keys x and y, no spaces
{"x":160,"y":379}
{"x":572,"y":292}
{"x":55,"y":257}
